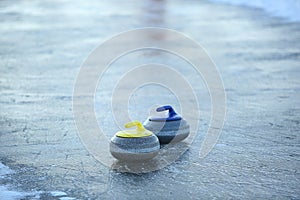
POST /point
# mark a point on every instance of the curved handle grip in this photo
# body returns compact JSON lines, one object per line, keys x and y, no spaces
{"x":172,"y":112}
{"x":138,"y":124}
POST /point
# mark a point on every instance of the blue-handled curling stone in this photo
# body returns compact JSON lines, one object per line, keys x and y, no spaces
{"x":172,"y":128}
{"x":134,"y":145}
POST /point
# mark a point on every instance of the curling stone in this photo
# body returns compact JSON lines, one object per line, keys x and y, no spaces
{"x":134,"y":145}
{"x":172,"y":128}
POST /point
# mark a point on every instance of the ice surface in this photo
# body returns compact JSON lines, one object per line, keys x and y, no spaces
{"x":43,"y":44}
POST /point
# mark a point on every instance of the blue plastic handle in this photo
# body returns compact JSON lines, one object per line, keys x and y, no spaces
{"x":172,"y":116}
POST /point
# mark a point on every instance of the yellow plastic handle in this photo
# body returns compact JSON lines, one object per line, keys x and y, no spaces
{"x":139,"y":132}
{"x":138,"y":124}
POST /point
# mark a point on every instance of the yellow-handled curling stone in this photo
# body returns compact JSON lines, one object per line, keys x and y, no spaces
{"x":172,"y":128}
{"x":134,"y":145}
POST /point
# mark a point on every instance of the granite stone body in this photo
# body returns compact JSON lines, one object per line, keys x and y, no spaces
{"x":134,"y":149}
{"x":168,"y":131}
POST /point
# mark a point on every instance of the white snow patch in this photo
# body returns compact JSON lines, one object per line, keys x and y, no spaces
{"x":4,"y":170}
{"x":58,"y":193}
{"x":6,"y":194}
{"x":66,"y":198}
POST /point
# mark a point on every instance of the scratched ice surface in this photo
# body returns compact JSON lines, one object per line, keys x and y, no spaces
{"x":42,"y":46}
